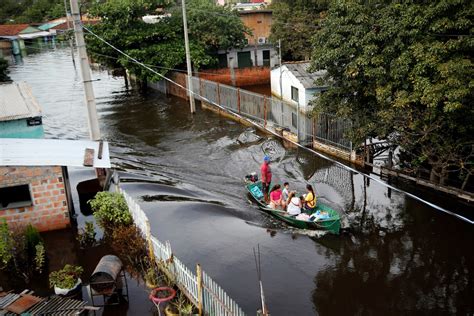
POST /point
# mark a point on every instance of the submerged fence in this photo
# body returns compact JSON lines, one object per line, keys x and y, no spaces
{"x":199,"y":287}
{"x":269,"y":111}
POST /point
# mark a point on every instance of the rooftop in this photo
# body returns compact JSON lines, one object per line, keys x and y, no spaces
{"x":17,"y":102}
{"x":51,"y":152}
{"x":12,"y":29}
{"x":300,"y":71}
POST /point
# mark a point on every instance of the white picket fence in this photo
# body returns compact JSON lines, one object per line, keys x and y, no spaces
{"x":214,"y":299}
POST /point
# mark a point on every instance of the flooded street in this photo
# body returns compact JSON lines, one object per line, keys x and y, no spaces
{"x":395,"y":256}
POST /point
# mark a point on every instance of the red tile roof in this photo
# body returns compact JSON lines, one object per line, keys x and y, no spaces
{"x":12,"y":29}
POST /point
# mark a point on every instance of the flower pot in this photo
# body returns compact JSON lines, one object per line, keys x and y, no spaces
{"x":66,"y":292}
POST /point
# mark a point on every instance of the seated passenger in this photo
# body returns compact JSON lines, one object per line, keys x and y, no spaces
{"x":309,"y":198}
{"x":276,"y":199}
{"x":293,"y":204}
{"x":286,"y":191}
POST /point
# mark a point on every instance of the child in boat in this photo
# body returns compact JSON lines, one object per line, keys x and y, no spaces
{"x":293,"y":204}
{"x":309,"y":198}
{"x":276,"y":199}
{"x":285,"y":192}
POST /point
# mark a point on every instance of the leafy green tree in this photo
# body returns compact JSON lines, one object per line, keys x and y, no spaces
{"x":403,"y":71}
{"x":162,"y":44}
{"x":295,"y":22}
{"x":4,"y":70}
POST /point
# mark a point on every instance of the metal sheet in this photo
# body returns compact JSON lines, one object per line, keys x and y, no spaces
{"x":50,"y":152}
{"x":17,"y":102}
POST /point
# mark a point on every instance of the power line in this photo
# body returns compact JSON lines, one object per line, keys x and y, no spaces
{"x":238,"y":115}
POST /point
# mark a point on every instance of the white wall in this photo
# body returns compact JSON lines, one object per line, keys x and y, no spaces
{"x":274,"y":59}
{"x":289,"y":80}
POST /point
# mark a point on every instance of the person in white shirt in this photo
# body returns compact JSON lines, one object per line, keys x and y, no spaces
{"x":285,"y":193}
{"x":293,"y":204}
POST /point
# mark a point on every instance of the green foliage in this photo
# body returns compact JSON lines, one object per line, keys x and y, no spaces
{"x":4,"y":70}
{"x":65,"y":278}
{"x":86,"y":236}
{"x":28,"y":11}
{"x":32,"y":238}
{"x":6,"y":245}
{"x":161,"y":45}
{"x":110,"y":210}
{"x":40,"y":257}
{"x":21,"y":251}
{"x":403,"y":71}
{"x":295,"y":22}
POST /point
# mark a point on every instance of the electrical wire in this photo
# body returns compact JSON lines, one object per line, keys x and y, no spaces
{"x":192,"y":93}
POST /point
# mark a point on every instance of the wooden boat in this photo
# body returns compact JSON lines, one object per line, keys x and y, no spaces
{"x":331,"y":224}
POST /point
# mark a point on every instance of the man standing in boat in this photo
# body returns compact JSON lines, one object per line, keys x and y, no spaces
{"x":266,"y":176}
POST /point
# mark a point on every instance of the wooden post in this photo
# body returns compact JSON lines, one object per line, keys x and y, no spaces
{"x":238,"y":99}
{"x":199,"y":284}
{"x":218,"y":94}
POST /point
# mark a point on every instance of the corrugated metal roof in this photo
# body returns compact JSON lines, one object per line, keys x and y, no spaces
{"x":17,"y":102}
{"x":50,"y":152}
{"x":300,"y":71}
{"x":51,"y":24}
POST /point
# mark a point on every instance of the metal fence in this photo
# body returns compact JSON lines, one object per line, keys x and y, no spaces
{"x":274,"y":112}
{"x":199,"y":287}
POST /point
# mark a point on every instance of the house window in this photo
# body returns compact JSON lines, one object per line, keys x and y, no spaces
{"x":294,"y":94}
{"x":294,"y":120}
{"x":15,"y":196}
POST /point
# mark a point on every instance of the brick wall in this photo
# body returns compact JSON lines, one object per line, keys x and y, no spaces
{"x":243,"y":77}
{"x":50,"y":208}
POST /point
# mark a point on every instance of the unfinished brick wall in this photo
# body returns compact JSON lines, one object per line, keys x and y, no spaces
{"x":50,"y":207}
{"x":243,"y":77}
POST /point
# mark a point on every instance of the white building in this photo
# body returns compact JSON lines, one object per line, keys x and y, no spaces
{"x":298,"y":85}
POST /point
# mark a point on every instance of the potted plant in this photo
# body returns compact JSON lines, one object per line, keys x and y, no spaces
{"x":66,"y":280}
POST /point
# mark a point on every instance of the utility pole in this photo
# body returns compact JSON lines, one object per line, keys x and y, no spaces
{"x":94,"y":130}
{"x":188,"y":59}
{"x":69,"y":28}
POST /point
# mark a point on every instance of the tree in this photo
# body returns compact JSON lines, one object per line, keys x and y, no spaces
{"x":295,"y":22}
{"x":404,"y":71}
{"x":4,"y":71}
{"x":28,"y":11}
{"x":161,"y":44}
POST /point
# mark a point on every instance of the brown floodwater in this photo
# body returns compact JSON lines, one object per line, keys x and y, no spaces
{"x":395,"y":256}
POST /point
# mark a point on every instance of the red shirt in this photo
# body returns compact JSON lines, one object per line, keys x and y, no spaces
{"x":266,"y":173}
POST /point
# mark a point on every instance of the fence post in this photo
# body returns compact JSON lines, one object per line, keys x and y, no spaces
{"x":200,"y":88}
{"x":264,"y":111}
{"x":148,"y":239}
{"x":199,"y":284}
{"x":218,"y":94}
{"x":238,"y":99}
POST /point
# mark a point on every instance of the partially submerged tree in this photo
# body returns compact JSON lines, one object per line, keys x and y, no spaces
{"x":403,"y":70}
{"x":161,"y":45}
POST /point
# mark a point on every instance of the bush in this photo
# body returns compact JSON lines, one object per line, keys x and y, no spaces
{"x":21,"y":251}
{"x":110,"y":210}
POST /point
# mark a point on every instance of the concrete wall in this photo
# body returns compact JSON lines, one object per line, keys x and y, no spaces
{"x":20,"y":129}
{"x":50,"y":207}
